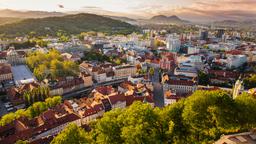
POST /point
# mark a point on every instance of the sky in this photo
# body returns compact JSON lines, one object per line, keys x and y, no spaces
{"x":187,"y":9}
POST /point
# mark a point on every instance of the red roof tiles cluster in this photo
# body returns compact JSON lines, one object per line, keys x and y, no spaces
{"x":223,"y":73}
{"x":5,"y":68}
{"x":24,"y":128}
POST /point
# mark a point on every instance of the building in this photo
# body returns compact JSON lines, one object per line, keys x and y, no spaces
{"x":220,"y":33}
{"x":203,"y":34}
{"x":180,"y":86}
{"x":87,"y":79}
{"x":168,"y":61}
{"x":185,"y":71}
{"x":239,"y":138}
{"x":170,"y":97}
{"x":236,"y":61}
{"x":15,"y":94}
{"x":5,"y":72}
{"x":64,"y":85}
{"x":192,"y":50}
{"x":49,"y":123}
{"x":124,"y":71}
{"x":14,"y":57}
{"x":173,"y":43}
{"x":99,"y":72}
{"x":71,"y":57}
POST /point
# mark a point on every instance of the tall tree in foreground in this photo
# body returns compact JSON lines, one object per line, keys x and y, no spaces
{"x":200,"y":118}
{"x":72,"y":134}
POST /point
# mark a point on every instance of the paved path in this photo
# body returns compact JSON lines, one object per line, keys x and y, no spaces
{"x":158,"y":93}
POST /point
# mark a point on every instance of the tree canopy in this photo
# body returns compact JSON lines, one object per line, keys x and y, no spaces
{"x":34,"y":110}
{"x":50,"y":64}
{"x":250,"y":82}
{"x":201,"y":118}
{"x":72,"y":134}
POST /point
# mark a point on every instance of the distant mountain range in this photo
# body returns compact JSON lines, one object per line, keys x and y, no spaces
{"x":28,"y":14}
{"x":166,"y":19}
{"x":72,"y":24}
{"x":246,"y":24}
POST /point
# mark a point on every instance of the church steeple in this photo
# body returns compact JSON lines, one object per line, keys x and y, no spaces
{"x":238,"y":87}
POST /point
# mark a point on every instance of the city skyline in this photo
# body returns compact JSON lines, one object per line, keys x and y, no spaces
{"x":195,"y":10}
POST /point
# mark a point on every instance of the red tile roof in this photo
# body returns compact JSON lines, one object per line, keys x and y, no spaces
{"x":5,"y":68}
{"x":181,"y":82}
{"x":116,"y":98}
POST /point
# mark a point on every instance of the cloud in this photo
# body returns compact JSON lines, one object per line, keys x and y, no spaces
{"x":209,"y":10}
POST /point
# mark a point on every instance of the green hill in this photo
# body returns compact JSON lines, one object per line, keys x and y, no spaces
{"x":8,"y":20}
{"x":72,"y":24}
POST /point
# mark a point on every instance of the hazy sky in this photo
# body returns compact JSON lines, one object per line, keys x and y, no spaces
{"x":188,"y":9}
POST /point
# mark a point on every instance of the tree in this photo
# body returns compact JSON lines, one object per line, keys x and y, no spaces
{"x":8,"y":118}
{"x":151,"y":71}
{"x":250,"y":82}
{"x":51,"y":102}
{"x":246,"y":105}
{"x":200,"y":118}
{"x":72,"y":134}
{"x":50,"y":64}
{"x":208,"y":114}
{"x":204,"y":79}
{"x":21,"y":142}
{"x":32,"y":111}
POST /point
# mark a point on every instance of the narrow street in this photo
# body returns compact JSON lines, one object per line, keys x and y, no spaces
{"x":158,"y":93}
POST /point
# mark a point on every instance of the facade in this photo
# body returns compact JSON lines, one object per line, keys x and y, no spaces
{"x":180,"y":86}
{"x":239,"y":138}
{"x":5,"y":72}
{"x":186,"y":71}
{"x":193,"y":50}
{"x":124,"y":71}
{"x":87,"y":79}
{"x":236,"y":61}
{"x":203,"y":34}
{"x":14,"y":57}
{"x":173,"y":43}
{"x":168,"y":61}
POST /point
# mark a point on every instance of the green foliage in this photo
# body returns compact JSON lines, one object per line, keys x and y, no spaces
{"x":246,"y":105}
{"x":23,"y":45}
{"x":72,"y":134}
{"x":98,"y":56}
{"x":32,"y":111}
{"x":204,"y":79}
{"x":71,"y":24}
{"x":208,"y":114}
{"x":50,"y":65}
{"x":151,"y":71}
{"x":94,"y":55}
{"x":201,"y":118}
{"x":250,"y":82}
{"x":21,"y":142}
{"x":36,"y":94}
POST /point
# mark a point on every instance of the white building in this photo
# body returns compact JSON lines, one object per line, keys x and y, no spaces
{"x":173,"y":43}
{"x":236,"y":61}
{"x":193,"y":50}
{"x":186,"y":71}
{"x":180,"y":86}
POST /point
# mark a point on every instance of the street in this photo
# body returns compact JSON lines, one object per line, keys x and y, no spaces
{"x":158,"y":93}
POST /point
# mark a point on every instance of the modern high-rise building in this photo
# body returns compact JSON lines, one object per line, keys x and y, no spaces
{"x":173,"y":43}
{"x":203,"y":34}
{"x":220,"y":33}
